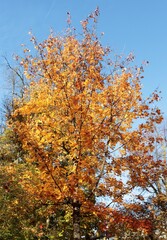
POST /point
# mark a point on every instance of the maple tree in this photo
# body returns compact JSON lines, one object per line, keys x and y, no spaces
{"x":84,"y":123}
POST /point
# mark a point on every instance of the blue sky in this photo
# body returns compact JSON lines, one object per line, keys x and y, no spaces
{"x":129,"y":26}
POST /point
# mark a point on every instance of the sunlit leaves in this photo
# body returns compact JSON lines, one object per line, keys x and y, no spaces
{"x":83,"y":124}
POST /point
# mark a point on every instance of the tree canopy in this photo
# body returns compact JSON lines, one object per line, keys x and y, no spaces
{"x":88,"y":133}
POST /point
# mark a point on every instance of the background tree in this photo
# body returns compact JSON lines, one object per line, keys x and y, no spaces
{"x":11,"y":149}
{"x":158,"y":188}
{"x":19,"y":215}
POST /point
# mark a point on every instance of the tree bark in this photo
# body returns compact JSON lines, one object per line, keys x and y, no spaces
{"x":76,"y":220}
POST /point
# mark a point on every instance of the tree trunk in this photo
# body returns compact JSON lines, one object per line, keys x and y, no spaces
{"x":76,"y":220}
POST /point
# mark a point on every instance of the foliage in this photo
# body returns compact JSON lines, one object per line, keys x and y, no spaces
{"x":84,"y":123}
{"x":158,"y":188}
{"x":15,"y":213}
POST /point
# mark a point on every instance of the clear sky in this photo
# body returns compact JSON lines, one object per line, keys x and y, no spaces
{"x":129,"y":26}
